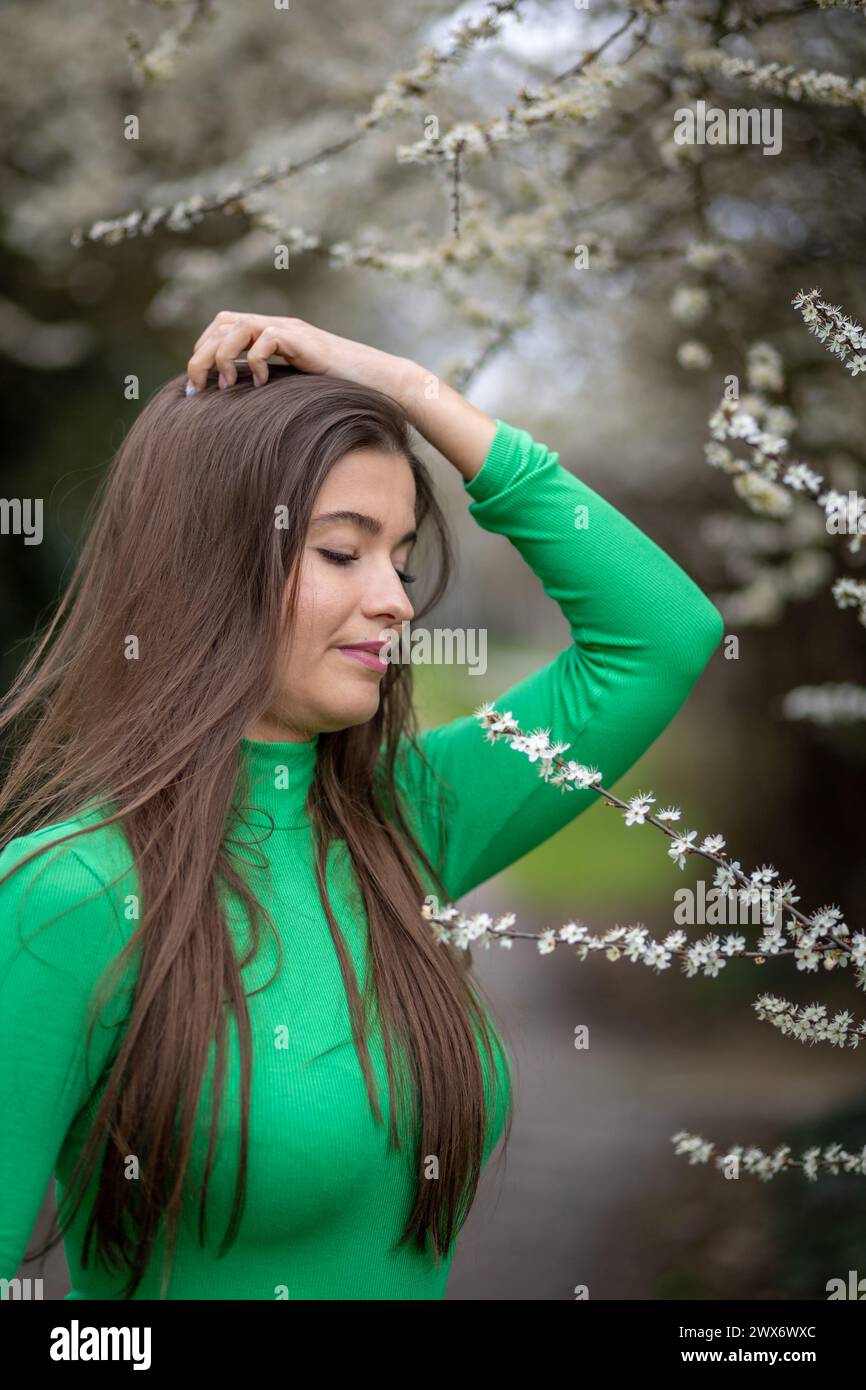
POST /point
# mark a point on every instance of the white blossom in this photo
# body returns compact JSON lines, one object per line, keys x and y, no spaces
{"x":690,"y":303}
{"x":692,"y":354}
{"x":680,"y":847}
{"x":638,"y":808}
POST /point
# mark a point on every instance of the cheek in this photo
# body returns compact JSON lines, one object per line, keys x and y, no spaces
{"x":323,"y":603}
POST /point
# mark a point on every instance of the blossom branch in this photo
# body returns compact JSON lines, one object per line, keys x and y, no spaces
{"x":481,"y":241}
{"x":843,"y":5}
{"x":841,"y":334}
{"x":159,"y":62}
{"x":827,"y":88}
{"x":834,"y":702}
{"x":590,"y":98}
{"x":824,"y":935}
{"x":810,"y":1024}
{"x":707,"y":956}
{"x":834,"y":1159}
{"x":767,"y":483}
{"x":821,"y":938}
{"x":397,"y":97}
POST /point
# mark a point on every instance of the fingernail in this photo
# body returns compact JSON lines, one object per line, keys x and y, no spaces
{"x":223,"y":382}
{"x":190,"y":389}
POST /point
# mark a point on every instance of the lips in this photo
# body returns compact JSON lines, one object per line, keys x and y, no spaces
{"x":367,"y":653}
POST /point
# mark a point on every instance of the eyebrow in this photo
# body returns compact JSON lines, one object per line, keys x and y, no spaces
{"x":362,"y":521}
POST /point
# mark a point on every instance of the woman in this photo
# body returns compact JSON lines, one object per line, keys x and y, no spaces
{"x":209,"y":746}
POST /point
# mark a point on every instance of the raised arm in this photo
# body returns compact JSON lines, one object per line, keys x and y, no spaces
{"x":642,"y":634}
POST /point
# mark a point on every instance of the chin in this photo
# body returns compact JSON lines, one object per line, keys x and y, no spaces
{"x":350,"y":714}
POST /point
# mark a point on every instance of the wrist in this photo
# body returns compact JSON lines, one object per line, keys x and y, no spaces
{"x":459,"y":430}
{"x":409,"y":380}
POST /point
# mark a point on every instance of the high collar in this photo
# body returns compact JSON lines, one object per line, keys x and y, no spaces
{"x":278,"y":777}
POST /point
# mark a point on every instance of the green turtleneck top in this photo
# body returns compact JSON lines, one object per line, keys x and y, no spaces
{"x":326,"y":1199}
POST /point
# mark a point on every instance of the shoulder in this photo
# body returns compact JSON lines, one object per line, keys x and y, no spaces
{"x":62,"y":929}
{"x":57,"y":872}
{"x":80,"y":848}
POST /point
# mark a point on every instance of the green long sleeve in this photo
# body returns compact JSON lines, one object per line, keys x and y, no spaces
{"x":642,"y":634}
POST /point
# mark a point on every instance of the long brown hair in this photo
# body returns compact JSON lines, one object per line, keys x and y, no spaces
{"x":183,"y":552}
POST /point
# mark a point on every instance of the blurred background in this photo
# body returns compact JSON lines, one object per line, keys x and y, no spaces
{"x":495,"y":191}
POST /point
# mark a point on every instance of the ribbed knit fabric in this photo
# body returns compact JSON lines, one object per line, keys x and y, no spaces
{"x":326,"y":1200}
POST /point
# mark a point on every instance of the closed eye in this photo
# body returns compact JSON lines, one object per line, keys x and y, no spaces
{"x":338,"y":557}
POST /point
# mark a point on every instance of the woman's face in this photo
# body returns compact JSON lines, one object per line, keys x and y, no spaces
{"x":350,"y":591}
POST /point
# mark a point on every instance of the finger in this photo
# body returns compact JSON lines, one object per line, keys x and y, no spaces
{"x":270,"y":340}
{"x":205,"y":355}
{"x":206,"y":333}
{"x":225,"y":317}
{"x":230,"y":343}
{"x":202,"y":360}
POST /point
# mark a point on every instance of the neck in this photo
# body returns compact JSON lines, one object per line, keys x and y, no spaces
{"x":268,"y":729}
{"x":274,"y":776}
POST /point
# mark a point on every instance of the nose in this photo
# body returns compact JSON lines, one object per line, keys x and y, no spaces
{"x":386,"y":599}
